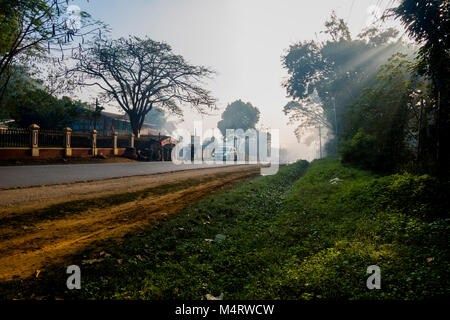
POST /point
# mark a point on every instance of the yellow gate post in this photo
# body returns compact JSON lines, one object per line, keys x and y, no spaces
{"x":34,"y":134}
{"x":68,"y":134}
{"x":94,"y":142}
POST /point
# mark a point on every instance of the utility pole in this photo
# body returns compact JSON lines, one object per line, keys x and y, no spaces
{"x":419,"y":136}
{"x":335,"y":123}
{"x":95,"y":113}
{"x":335,"y":116}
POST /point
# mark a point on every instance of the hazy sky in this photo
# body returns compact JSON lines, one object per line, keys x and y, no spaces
{"x":242,"y":40}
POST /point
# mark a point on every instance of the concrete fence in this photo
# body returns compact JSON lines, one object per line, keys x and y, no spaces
{"x":14,"y":144}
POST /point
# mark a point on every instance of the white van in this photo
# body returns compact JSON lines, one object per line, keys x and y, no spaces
{"x":225,"y":154}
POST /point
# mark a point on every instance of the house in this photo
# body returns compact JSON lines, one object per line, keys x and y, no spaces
{"x":110,"y":122}
{"x":4,"y":124}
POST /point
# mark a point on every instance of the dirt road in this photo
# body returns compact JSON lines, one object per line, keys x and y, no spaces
{"x":40,"y":226}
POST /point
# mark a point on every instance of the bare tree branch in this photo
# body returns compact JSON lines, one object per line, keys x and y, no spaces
{"x":140,"y":74}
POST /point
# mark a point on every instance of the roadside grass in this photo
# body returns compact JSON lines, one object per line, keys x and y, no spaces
{"x":288,"y":236}
{"x":399,"y":223}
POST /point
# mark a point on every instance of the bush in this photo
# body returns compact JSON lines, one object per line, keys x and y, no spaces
{"x":421,"y":196}
{"x":360,"y":151}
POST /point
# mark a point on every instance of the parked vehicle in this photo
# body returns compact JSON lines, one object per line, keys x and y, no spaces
{"x":225,"y":154}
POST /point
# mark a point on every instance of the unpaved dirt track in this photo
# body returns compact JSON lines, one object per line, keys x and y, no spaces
{"x":17,"y":200}
{"x":28,"y":248}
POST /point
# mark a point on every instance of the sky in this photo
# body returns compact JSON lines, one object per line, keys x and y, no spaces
{"x":242,"y":40}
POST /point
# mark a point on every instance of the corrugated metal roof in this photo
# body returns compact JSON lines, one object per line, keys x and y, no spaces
{"x":123,"y":117}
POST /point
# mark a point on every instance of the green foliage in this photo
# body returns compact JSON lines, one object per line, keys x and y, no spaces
{"x":391,"y":222}
{"x":35,"y":105}
{"x":378,"y":127}
{"x":428,"y":22}
{"x":337,"y":69}
{"x":239,"y":115}
{"x":285,"y":238}
{"x":28,"y":102}
{"x":421,"y":196}
{"x":360,"y":151}
{"x":29,"y":28}
{"x":8,"y":25}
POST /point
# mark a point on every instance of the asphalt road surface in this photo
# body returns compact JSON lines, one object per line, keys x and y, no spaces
{"x":30,"y":176}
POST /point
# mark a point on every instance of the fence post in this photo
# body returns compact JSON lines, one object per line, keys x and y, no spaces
{"x":68,"y":135}
{"x":34,"y":130}
{"x":94,"y":142}
{"x":116,"y":151}
{"x":132,"y":140}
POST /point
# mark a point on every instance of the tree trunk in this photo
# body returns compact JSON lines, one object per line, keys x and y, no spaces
{"x":443,"y":131}
{"x":419,"y":135}
{"x":134,"y":121}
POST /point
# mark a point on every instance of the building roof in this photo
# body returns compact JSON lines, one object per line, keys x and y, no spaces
{"x":4,"y":123}
{"x":118,"y":116}
{"x":123,"y":117}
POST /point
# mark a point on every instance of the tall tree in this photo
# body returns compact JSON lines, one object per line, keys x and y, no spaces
{"x":140,"y":74}
{"x":428,"y":22}
{"x":337,"y":69}
{"x":239,"y":115}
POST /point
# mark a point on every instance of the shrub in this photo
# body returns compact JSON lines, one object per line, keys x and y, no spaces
{"x":360,"y":151}
{"x":421,"y":196}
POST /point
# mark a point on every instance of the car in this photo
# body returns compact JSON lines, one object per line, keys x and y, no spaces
{"x":225,"y":154}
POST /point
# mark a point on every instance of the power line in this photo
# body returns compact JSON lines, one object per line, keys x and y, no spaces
{"x":364,"y":21}
{"x":351,"y":10}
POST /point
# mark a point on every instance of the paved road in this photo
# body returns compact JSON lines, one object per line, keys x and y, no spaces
{"x":29,"y":176}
